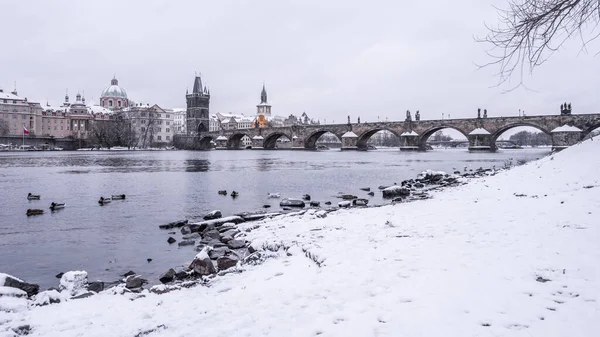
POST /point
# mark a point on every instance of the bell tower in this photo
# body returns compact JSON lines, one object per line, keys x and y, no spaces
{"x":197,"y":114}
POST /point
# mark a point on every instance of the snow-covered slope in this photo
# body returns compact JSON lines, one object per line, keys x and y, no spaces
{"x":516,"y":254}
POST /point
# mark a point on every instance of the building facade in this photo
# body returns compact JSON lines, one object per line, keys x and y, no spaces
{"x":17,"y":112}
{"x":197,"y":114}
{"x":152,"y":125}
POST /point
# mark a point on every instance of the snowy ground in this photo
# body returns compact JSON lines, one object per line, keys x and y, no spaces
{"x":466,"y":263}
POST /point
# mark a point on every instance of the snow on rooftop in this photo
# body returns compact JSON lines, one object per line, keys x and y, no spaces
{"x":411,"y":133}
{"x":474,"y":260}
{"x":349,"y":134}
{"x":566,"y":128}
{"x":221,"y":138}
{"x":479,"y":131}
{"x":258,"y":137}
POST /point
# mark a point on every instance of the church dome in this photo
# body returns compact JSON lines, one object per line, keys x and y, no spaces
{"x":114,"y":90}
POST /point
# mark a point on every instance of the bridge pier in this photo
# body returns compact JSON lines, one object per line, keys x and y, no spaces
{"x":349,"y":141}
{"x":480,"y":140}
{"x":221,"y":143}
{"x":565,"y":136}
{"x":258,"y":142}
{"x":409,"y":141}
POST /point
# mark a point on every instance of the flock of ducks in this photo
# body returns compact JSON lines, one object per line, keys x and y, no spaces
{"x":233,"y":194}
{"x":54,"y":206}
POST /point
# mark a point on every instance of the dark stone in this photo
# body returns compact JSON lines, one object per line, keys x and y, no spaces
{"x":183,"y":274}
{"x":30,"y":288}
{"x":224,"y":229}
{"x":203,"y":266}
{"x":129,"y":273}
{"x":96,"y":286}
{"x":306,"y":197}
{"x":185,"y":230}
{"x":211,"y":234}
{"x":195,"y":228}
{"x":360,"y":202}
{"x":207,"y":228}
{"x":22,"y":330}
{"x":398,"y":199}
{"x":315,"y":204}
{"x":542,"y":280}
{"x":192,"y":236}
{"x":179,"y":223}
{"x":266,"y":206}
{"x":186,"y":243}
{"x":171,"y":240}
{"x":286,"y":208}
{"x":395,"y":192}
{"x":216,"y":214}
{"x":371,"y":193}
{"x":168,"y":276}
{"x":366,"y":189}
{"x":218,"y":252}
{"x":348,"y":196}
{"x":419,"y":185}
{"x":134,"y":281}
{"x":226,"y":262}
{"x":287,"y":202}
{"x":383,"y":187}
{"x":59,"y":275}
{"x":234,"y":244}
{"x":251,"y":249}
{"x":149,"y":260}
{"x":327,"y":202}
{"x":215,"y":243}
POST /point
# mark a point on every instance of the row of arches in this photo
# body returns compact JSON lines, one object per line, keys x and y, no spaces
{"x":281,"y":140}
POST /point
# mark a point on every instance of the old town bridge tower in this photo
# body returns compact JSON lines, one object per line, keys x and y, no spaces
{"x":197,"y":114}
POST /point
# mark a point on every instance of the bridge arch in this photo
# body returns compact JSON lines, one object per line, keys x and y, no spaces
{"x":365,"y":136}
{"x":591,"y":129}
{"x":235,"y":140}
{"x":311,"y":141}
{"x":507,"y":127}
{"x":271,"y":140}
{"x":205,"y":142}
{"x":429,"y":132}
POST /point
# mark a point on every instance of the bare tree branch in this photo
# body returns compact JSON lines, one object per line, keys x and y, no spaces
{"x":530,"y":31}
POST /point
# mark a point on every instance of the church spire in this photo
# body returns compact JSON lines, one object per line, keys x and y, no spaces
{"x":197,"y":85}
{"x":263,"y":95}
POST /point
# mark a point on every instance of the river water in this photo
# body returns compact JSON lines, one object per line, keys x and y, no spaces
{"x":163,"y":186}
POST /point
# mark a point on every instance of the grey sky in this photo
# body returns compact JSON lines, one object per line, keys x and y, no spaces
{"x":329,"y":58}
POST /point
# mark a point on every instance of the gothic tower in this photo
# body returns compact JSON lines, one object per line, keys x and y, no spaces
{"x":263,"y":108}
{"x":197,"y":108}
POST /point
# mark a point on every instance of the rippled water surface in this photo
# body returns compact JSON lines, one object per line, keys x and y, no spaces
{"x":169,"y":185}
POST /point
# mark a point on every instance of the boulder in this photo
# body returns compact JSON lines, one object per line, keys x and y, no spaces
{"x":96,"y":286}
{"x":168,"y":276}
{"x":195,"y":228}
{"x":360,"y":202}
{"x":183,"y":274}
{"x":306,"y":197}
{"x":216,"y":214}
{"x":227,"y":261}
{"x":319,"y":214}
{"x":257,"y":216}
{"x":12,"y":292}
{"x":214,"y":243}
{"x":202,"y":265}
{"x":344,"y":204}
{"x":366,"y":189}
{"x":327,"y":202}
{"x":266,"y":206}
{"x":74,"y":282}
{"x":48,"y":297}
{"x":59,"y":275}
{"x":185,"y":230}
{"x":171,"y":240}
{"x":212,"y":234}
{"x":315,"y":204}
{"x":134,"y":282}
{"x":13,"y":282}
{"x":348,"y":196}
{"x":218,"y":252}
{"x":398,"y":199}
{"x":178,"y":223}
{"x":129,"y":273}
{"x":371,"y":193}
{"x":383,"y":187}
{"x":226,"y":227}
{"x":289,"y":202}
{"x":229,"y":235}
{"x":186,"y":243}
{"x":419,"y":185}
{"x":218,"y":222}
{"x":235,"y":244}
{"x":192,"y":236}
{"x":395,"y":191}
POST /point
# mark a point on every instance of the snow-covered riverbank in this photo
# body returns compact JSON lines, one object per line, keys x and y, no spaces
{"x":515,"y":254}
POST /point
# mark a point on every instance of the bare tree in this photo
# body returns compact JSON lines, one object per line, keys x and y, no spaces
{"x":4,"y":128}
{"x":530,"y":31}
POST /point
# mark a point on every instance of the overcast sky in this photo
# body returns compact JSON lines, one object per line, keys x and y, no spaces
{"x":329,"y":58}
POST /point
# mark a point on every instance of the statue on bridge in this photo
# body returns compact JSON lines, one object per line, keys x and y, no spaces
{"x":408,"y":116}
{"x":348,"y":119}
{"x":478,"y":112}
{"x":565,"y":109}
{"x":417,"y":116}
{"x":484,"y":113}
{"x":358,"y":119}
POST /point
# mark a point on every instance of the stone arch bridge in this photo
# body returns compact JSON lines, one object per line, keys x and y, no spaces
{"x":481,"y":133}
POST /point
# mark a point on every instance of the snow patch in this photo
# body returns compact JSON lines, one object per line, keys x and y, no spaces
{"x":11,"y":292}
{"x":566,"y":128}
{"x":479,"y":131}
{"x":349,"y":134}
{"x":411,"y":133}
{"x":74,"y":282}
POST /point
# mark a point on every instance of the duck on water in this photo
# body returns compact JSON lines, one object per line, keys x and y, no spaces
{"x":104,"y":201}
{"x":56,"y":206}
{"x":33,"y":196}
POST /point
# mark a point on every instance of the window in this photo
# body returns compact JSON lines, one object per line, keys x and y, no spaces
{"x":119,"y":103}
{"x":143,"y":114}
{"x":168,"y":130}
{"x":143,"y":121}
{"x":110,"y":103}
{"x":158,"y":138}
{"x":168,"y":137}
{"x":168,"y":123}
{"x":5,"y":101}
{"x":168,"y":116}
{"x":14,"y":101}
{"x":101,"y":103}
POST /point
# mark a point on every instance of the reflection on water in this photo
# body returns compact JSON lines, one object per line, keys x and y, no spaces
{"x":165,"y":186}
